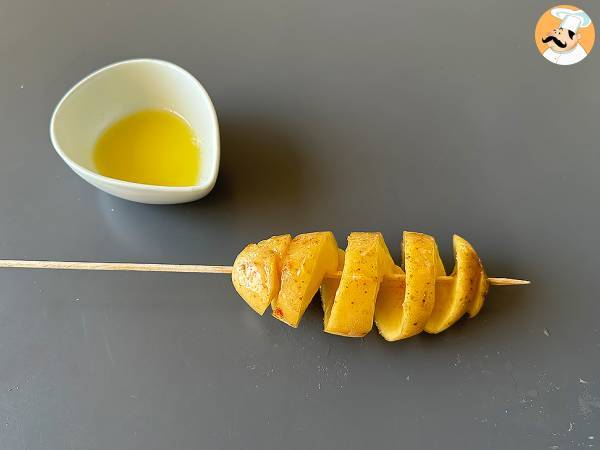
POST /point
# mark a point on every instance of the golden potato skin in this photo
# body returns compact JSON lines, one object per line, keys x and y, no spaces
{"x":464,"y":293}
{"x":404,"y":307}
{"x":363,"y":284}
{"x":257,"y":270}
{"x":366,"y":262}
{"x":309,"y":258}
{"x":277,"y":244}
{"x":479,"y":299}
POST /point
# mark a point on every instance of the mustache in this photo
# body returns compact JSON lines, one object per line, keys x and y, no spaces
{"x":556,"y":41}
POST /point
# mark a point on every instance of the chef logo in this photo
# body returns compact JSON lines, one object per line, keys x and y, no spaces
{"x":565,"y":35}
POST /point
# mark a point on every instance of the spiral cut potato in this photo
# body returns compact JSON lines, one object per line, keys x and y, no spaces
{"x":286,"y":273}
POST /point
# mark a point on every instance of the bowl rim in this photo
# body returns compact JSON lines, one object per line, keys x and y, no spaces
{"x":207,"y":184}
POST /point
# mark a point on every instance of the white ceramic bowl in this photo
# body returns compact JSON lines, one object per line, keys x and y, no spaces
{"x":124,"y":88}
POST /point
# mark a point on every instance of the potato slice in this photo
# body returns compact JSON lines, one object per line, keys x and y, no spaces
{"x":278,"y":244}
{"x":477,"y":302}
{"x":257,"y":270}
{"x":329,"y":287}
{"x":388,"y":308}
{"x":308,"y":259}
{"x":404,"y":306}
{"x":366,"y":262}
{"x":464,"y":293}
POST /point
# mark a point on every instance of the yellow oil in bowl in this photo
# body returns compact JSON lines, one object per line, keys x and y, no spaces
{"x":150,"y":147}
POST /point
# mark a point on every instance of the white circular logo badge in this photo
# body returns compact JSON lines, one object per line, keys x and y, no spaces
{"x":565,"y":35}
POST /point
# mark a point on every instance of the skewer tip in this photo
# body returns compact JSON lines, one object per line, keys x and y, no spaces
{"x":507,"y":281}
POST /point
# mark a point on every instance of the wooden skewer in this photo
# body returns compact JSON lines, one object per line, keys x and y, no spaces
{"x":182,"y":268}
{"x":136,"y":267}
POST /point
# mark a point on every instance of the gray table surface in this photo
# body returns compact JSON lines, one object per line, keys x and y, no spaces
{"x":433,"y":116}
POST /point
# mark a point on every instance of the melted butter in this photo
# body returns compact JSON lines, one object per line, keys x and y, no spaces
{"x":150,"y":147}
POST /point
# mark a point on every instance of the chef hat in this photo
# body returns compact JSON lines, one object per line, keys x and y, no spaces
{"x":570,"y":19}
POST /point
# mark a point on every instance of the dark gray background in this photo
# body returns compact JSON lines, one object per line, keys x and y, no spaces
{"x":433,"y":116}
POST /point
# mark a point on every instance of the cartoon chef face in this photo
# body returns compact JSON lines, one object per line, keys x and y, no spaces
{"x":561,"y":39}
{"x":563,"y":42}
